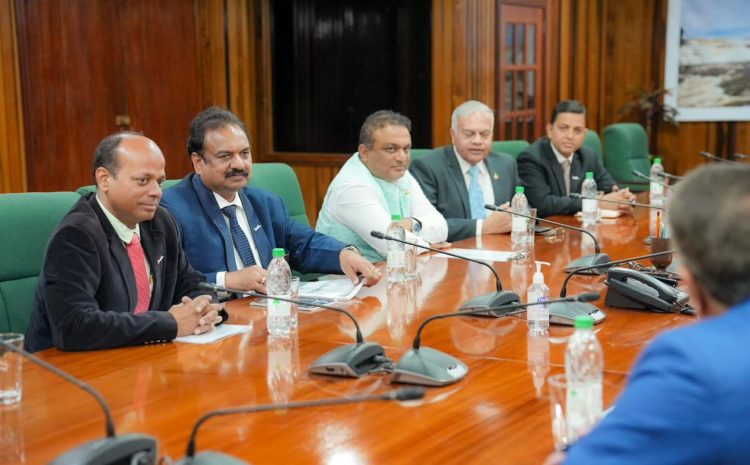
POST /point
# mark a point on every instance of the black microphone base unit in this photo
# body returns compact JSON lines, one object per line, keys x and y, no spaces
{"x":211,"y":458}
{"x":490,"y":301}
{"x":428,"y":367}
{"x":587,"y":261}
{"x":136,"y":449}
{"x":351,"y":360}
{"x":565,"y":313}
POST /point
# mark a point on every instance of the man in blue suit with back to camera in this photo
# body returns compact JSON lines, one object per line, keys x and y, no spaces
{"x":461,"y":178}
{"x":687,"y":398}
{"x":229,"y":229}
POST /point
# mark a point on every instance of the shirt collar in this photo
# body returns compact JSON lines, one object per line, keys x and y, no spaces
{"x":225,"y":203}
{"x":560,"y":157}
{"x":465,"y":165}
{"x":121,"y":229}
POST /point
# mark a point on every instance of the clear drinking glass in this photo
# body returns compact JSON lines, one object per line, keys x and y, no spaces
{"x":10,"y":369}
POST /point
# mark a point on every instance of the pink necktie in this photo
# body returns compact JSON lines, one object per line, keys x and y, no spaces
{"x":138,"y":260}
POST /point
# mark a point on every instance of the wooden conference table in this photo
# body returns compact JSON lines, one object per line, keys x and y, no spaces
{"x":498,"y":414}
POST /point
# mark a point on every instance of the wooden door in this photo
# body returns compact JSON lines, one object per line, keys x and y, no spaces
{"x":86,"y":64}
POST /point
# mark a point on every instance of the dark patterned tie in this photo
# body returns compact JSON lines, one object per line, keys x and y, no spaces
{"x":239,"y":237}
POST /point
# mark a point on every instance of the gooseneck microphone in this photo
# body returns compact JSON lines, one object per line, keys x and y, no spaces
{"x":564,"y":289}
{"x":351,"y":360}
{"x":582,"y":262}
{"x":138,"y":449}
{"x":649,"y":178}
{"x":431,"y":367}
{"x":621,"y":202}
{"x":740,"y":156}
{"x":713,"y":157}
{"x":480,"y":302}
{"x":216,"y":458}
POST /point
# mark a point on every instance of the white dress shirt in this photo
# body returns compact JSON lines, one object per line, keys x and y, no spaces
{"x":244,"y":225}
{"x":485,"y":182}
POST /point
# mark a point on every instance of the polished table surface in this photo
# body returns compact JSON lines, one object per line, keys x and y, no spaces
{"x":499,"y":413}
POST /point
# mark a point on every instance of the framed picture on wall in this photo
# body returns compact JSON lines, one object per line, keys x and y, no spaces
{"x":708,"y":60}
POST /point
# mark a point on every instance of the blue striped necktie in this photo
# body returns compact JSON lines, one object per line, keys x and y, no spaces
{"x":476,"y":195}
{"x":239,"y":237}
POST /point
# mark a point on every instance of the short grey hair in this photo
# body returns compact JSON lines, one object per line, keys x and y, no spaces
{"x":710,"y":220}
{"x":469,"y":108}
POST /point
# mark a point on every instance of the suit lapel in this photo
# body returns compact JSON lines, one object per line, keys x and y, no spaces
{"x":555,"y":167}
{"x":119,"y":253}
{"x":153,"y":244}
{"x":208,"y":202}
{"x":261,"y":239}
{"x":457,"y":177}
{"x":576,"y":173}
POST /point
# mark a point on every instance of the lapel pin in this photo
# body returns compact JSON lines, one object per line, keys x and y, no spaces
{"x":160,"y":259}
{"x":495,"y":176}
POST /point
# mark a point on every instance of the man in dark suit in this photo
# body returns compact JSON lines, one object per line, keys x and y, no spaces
{"x":115,"y":273}
{"x":461,"y":178}
{"x":229,"y":230}
{"x":686,"y":400}
{"x":553,"y":167}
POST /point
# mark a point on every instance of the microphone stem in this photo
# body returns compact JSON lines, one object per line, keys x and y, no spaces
{"x":110,"y":426}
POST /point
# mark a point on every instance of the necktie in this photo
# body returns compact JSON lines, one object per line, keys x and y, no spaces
{"x":238,"y":237}
{"x":476,"y":196}
{"x":138,"y":260}
{"x":566,"y":175}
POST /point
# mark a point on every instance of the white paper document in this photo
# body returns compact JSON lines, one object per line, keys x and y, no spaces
{"x":336,"y":289}
{"x":484,"y":255}
{"x":216,"y":334}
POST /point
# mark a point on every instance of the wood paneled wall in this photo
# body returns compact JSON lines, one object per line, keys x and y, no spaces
{"x":12,"y":152}
{"x":598,"y":51}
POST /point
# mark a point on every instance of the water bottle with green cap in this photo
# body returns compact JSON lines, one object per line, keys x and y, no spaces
{"x":584,"y":368}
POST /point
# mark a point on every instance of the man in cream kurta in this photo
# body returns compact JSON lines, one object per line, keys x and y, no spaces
{"x":373,"y":185}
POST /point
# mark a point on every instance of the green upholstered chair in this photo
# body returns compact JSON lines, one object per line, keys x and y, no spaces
{"x":511,"y":147}
{"x":281,"y":179}
{"x":417,"y":153}
{"x":83,"y":190}
{"x":28,"y":222}
{"x":593,"y":142}
{"x":625,"y":150}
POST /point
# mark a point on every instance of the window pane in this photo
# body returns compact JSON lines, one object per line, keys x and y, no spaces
{"x":519,"y":90}
{"x":531,"y":44}
{"x":520,"y":133}
{"x":508,"y":129}
{"x":531,"y":128}
{"x":508,"y":91}
{"x":519,"y":43}
{"x":530,"y":101}
{"x":509,"y":34}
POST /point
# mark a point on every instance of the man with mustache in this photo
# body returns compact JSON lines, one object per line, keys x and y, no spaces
{"x":114,"y":273}
{"x":373,"y":185}
{"x":229,"y":230}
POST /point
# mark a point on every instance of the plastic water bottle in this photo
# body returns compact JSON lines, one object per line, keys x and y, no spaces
{"x":396,"y":260}
{"x":588,"y":192}
{"x":656,"y":194}
{"x":584,"y":366}
{"x":537,"y":316}
{"x":280,"y":317}
{"x":519,"y":229}
{"x":656,"y":188}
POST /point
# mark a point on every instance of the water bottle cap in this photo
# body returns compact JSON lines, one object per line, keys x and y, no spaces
{"x":278,"y":252}
{"x":519,"y":189}
{"x":589,"y":175}
{"x":584,"y":322}
{"x":657,"y":161}
{"x":395,"y":217}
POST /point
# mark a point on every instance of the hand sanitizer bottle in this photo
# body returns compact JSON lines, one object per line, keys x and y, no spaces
{"x":537,"y":316}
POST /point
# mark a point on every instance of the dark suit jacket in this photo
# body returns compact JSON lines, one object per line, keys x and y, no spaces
{"x":543,"y":178}
{"x":442,"y":181}
{"x":208,"y":241}
{"x":87,"y":293}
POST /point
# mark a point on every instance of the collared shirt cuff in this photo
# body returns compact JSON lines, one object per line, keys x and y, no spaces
{"x":477,"y":233}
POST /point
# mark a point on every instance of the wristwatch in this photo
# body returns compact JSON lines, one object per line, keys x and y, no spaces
{"x":352,"y":248}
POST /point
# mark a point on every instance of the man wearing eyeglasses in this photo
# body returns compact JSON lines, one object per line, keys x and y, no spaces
{"x":554,"y":167}
{"x":229,"y":230}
